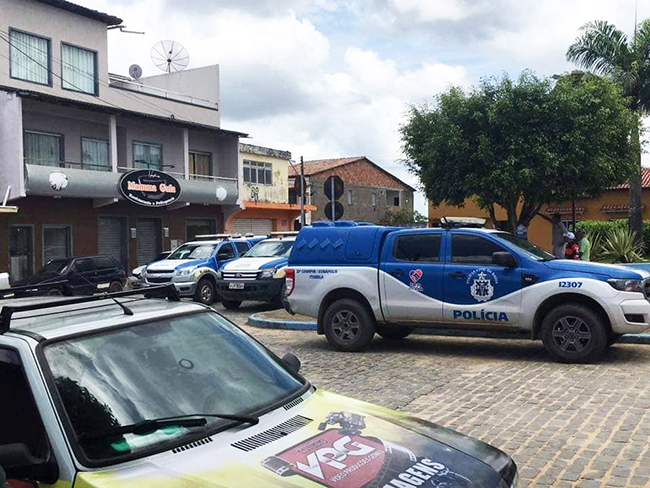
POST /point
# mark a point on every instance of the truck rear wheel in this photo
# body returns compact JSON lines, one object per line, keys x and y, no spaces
{"x":573,"y":333}
{"x":348,"y":326}
{"x":394,"y":333}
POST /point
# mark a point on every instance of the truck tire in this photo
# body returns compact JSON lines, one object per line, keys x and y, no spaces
{"x":204,"y":292}
{"x":348,"y":326}
{"x":231,"y":304}
{"x":573,"y":333}
{"x":394,"y":333}
{"x":115,"y":287}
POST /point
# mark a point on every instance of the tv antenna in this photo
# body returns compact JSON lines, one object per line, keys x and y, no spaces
{"x":170,"y":56}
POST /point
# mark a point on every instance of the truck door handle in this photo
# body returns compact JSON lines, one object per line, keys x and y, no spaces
{"x":457,"y":274}
{"x":397,"y":272}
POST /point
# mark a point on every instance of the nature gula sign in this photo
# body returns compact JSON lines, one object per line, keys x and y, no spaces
{"x":150,"y":188}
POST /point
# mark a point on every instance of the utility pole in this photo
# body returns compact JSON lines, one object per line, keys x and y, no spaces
{"x":333,"y":201}
{"x":302,"y":192}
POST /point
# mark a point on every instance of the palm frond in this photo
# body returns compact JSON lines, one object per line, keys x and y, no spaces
{"x":602,"y":48}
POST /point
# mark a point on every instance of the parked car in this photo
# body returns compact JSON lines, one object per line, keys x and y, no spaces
{"x":170,"y":393}
{"x":4,"y":281}
{"x":361,"y":279}
{"x":258,"y":275}
{"x":76,"y":276}
{"x":193,"y":267}
{"x":136,"y":275}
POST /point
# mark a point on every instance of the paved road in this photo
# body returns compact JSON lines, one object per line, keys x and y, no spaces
{"x":565,"y":425}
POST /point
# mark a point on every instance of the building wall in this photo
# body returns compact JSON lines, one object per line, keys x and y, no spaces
{"x":11,"y":145}
{"x":278,"y":192}
{"x":63,"y":26}
{"x":539,"y":231}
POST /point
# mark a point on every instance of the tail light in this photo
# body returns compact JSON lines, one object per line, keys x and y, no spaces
{"x":289,"y":281}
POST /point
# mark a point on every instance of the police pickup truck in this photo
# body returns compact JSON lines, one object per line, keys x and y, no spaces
{"x":259,"y":274}
{"x":361,"y":279}
{"x":193,"y":267}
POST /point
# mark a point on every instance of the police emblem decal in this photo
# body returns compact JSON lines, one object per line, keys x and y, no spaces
{"x":482,"y":284}
{"x":415,"y":275}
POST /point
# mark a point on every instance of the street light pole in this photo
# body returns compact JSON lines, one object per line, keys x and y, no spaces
{"x":302,"y":192}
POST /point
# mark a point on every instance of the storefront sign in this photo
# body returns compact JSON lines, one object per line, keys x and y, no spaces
{"x":150,"y":188}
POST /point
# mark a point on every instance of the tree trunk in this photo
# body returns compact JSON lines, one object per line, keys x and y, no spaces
{"x":635,"y":213}
{"x":512,"y":218}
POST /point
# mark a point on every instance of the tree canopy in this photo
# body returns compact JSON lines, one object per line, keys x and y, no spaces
{"x":520,"y":144}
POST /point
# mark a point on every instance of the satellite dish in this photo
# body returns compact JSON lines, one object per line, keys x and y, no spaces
{"x":135,"y":71}
{"x":170,"y":56}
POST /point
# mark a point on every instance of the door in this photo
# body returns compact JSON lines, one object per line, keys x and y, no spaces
{"x":83,"y":277}
{"x":225,"y":254}
{"x":411,"y":277}
{"x":112,"y":239}
{"x":197,"y":227}
{"x":149,"y":237}
{"x":21,"y":252}
{"x":254,"y":226}
{"x":107,"y":270}
{"x":477,"y":291}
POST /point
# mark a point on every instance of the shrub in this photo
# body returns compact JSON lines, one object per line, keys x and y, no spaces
{"x":602,"y":228}
{"x":621,"y":246}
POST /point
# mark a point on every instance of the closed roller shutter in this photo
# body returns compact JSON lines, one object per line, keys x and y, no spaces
{"x":111,"y":236}
{"x":149,"y":240}
{"x":255,"y":226}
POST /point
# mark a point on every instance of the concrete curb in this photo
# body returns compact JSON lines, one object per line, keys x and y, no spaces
{"x":257,"y":320}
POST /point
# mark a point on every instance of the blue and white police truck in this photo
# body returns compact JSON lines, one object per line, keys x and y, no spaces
{"x":193,"y":267}
{"x":259,"y":274}
{"x":361,"y":279}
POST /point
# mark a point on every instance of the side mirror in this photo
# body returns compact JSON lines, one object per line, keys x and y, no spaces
{"x":504,"y":259}
{"x":292,"y":362}
{"x":20,"y":464}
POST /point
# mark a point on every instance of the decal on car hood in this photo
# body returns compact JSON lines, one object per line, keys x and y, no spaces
{"x":346,"y":444}
{"x":254,"y":264}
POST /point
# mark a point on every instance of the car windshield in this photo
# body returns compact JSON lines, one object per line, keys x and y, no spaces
{"x":191,"y":365}
{"x":527,"y":247}
{"x":193,"y":251}
{"x":270,"y":249}
{"x":54,"y":266}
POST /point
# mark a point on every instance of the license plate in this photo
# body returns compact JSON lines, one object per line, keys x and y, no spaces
{"x":236,"y":286}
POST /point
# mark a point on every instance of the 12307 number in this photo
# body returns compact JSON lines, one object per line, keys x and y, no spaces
{"x":570,"y":284}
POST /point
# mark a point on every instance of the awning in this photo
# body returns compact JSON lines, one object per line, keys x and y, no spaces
{"x":564,"y":210}
{"x":620,"y":208}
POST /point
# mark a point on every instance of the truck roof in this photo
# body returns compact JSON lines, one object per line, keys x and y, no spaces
{"x":66,"y":319}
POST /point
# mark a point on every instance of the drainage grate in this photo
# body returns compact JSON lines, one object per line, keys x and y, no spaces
{"x":273,"y":434}
{"x":192,"y":445}
{"x":293,"y":403}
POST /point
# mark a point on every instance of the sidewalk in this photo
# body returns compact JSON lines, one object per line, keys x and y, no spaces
{"x":279,"y":319}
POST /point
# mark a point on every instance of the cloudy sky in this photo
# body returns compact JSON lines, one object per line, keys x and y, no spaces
{"x":333,"y":78}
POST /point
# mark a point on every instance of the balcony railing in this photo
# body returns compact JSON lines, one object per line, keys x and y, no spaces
{"x":68,"y":164}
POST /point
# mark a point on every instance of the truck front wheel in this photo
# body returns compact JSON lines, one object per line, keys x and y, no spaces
{"x":348,"y":326}
{"x":204,"y":292}
{"x":573,"y":333}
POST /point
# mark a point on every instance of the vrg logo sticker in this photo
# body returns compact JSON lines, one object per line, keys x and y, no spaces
{"x":415,"y":275}
{"x":482,"y":282}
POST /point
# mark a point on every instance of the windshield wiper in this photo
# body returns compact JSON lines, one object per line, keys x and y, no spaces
{"x":149,"y":426}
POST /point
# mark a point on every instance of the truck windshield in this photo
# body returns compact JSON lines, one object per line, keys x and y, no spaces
{"x":193,"y":251}
{"x":270,"y":249}
{"x":528,"y":248}
{"x":196,"y":365}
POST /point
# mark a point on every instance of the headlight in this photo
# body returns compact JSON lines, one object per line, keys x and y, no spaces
{"x":267,"y":273}
{"x":627,"y":285}
{"x":184,"y":272}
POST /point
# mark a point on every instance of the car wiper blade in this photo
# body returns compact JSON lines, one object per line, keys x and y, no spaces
{"x":149,"y":426}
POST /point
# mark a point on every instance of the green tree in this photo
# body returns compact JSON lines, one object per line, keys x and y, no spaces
{"x":520,"y":144}
{"x":606,"y":50}
{"x":402,"y":217}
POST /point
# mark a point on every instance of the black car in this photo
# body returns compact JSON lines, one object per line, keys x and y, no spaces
{"x":75,"y":276}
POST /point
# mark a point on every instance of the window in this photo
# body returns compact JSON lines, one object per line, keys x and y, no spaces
{"x":79,"y":69}
{"x":84,"y":265}
{"x":349,"y":197}
{"x":256,"y":172}
{"x":226,"y":252}
{"x":200,"y":165}
{"x":423,"y":248}
{"x":43,"y":149}
{"x":94,"y":155}
{"x":147,"y":156}
{"x":242,"y":247}
{"x":104,"y":262}
{"x":30,"y":57}
{"x":57,"y":242}
{"x":198,"y":227}
{"x":396,"y":201}
{"x":472,"y":249}
{"x":21,"y":251}
{"x":374,"y":199}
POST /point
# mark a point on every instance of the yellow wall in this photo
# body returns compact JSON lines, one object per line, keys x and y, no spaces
{"x":278,"y":192}
{"x":539,"y":231}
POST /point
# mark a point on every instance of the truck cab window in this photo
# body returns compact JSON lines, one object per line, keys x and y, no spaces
{"x":418,"y":248}
{"x":472,"y":249}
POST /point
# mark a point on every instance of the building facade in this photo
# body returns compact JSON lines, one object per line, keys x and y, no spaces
{"x":613,"y":204}
{"x":70,"y":131}
{"x":369,"y":191}
{"x":264,"y":192}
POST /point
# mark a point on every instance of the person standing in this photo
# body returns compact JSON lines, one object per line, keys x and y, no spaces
{"x":557,"y":237}
{"x":572,"y":249}
{"x":584,"y":245}
{"x":522,"y":231}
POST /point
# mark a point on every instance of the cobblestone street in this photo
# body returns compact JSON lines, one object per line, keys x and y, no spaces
{"x":565,"y":425}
